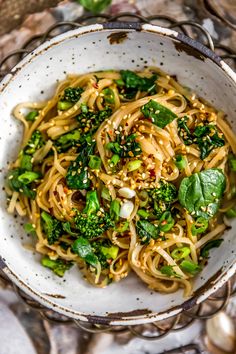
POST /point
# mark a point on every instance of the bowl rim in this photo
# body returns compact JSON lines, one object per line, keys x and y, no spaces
{"x":138,"y":316}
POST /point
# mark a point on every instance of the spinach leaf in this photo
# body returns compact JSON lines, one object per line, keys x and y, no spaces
{"x":184,"y":131}
{"x":67,"y":228}
{"x":168,"y":270}
{"x":146,"y":231}
{"x":200,"y":193}
{"x":208,"y":246}
{"x":77,"y":174}
{"x":160,"y":115}
{"x":208,"y":138}
{"x":82,"y":247}
{"x":133,"y":83}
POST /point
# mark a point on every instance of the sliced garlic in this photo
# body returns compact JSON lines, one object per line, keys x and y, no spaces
{"x":126,"y":192}
{"x":221,"y":332}
{"x":126,"y":209}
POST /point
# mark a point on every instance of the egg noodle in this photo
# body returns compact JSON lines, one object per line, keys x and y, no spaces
{"x":137,"y":155}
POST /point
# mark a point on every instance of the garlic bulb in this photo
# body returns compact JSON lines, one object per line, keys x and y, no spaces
{"x":126,"y":192}
{"x":126,"y":209}
{"x":221,"y":332}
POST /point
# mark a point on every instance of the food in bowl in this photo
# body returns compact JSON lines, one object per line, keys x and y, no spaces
{"x":124,"y":171}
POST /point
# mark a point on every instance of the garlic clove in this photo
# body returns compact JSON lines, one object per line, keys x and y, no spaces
{"x":126,"y":209}
{"x":126,"y":192}
{"x":221,"y":332}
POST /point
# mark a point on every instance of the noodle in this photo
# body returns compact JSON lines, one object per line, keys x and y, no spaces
{"x":95,"y":139}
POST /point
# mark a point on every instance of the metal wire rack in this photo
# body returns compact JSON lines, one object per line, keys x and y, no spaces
{"x":215,"y":303}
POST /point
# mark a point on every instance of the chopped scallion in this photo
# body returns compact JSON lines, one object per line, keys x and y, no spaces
{"x":180,"y":253}
{"x":180,"y":162}
{"x":231,"y":213}
{"x":166,"y":222}
{"x":114,"y":160}
{"x":64,"y":105}
{"x":115,"y":210}
{"x":28,"y":177}
{"x":143,"y":213}
{"x":190,"y":267}
{"x":31,"y":116}
{"x":94,"y":162}
{"x":134,"y":165}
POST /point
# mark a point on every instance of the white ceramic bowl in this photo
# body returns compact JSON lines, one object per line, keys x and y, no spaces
{"x":98,"y":47}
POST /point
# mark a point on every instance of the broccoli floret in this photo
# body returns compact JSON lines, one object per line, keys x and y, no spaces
{"x":35,"y":143}
{"x":52,"y":227}
{"x":167,"y":192}
{"x":162,"y":197}
{"x":72,"y":94}
{"x":88,"y":223}
{"x":58,"y":266}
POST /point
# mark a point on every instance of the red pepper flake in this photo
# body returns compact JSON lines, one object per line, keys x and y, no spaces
{"x":164,"y":222}
{"x":95,"y":85}
{"x":152,"y":173}
{"x":66,"y":190}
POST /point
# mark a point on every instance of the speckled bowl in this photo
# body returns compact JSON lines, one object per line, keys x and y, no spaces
{"x":98,"y":47}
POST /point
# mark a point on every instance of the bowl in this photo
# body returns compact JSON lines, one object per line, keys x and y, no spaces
{"x":98,"y":47}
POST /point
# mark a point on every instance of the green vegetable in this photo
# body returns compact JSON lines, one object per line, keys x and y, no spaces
{"x":180,"y":162}
{"x":77,"y":174}
{"x":115,"y":210}
{"x":28,"y":177}
{"x":95,"y":162}
{"x":160,"y":115}
{"x":179,"y":253}
{"x":200,"y":193}
{"x":82,"y":247}
{"x":52,"y":228}
{"x":168,"y":270}
{"x":184,"y":131}
{"x":190,"y":267}
{"x":166,"y":222}
{"x":29,"y":228}
{"x":114,"y":160}
{"x":66,"y":141}
{"x":206,"y":136}
{"x":92,"y":203}
{"x":72,"y":94}
{"x":31,"y":116}
{"x":58,"y":266}
{"x":146,"y":231}
{"x":109,"y":96}
{"x":110,"y":252}
{"x":67,"y":228}
{"x":134,"y":165}
{"x":231,"y":213}
{"x":89,"y":121}
{"x":200,"y":226}
{"x":122,"y":227}
{"x":125,"y":147}
{"x":232,"y":162}
{"x":34,"y":143}
{"x":89,"y":223}
{"x":105,"y":194}
{"x":95,"y":6}
{"x":208,"y":246}
{"x":143,"y":213}
{"x":26,"y":162}
{"x":207,"y":139}
{"x":16,"y":185}
{"x":131,"y":83}
{"x":144,"y":198}
{"x":64,"y":105}
{"x":162,"y":197}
